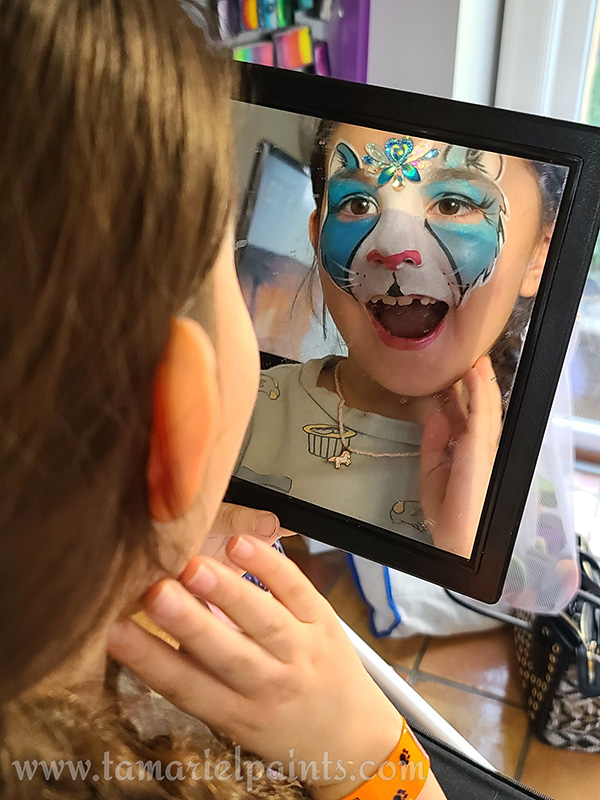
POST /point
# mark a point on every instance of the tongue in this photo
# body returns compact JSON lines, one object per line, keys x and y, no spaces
{"x":409,"y":322}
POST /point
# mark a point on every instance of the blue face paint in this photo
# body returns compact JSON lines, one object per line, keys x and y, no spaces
{"x":460,"y":188}
{"x":472,"y":247}
{"x":341,"y":236}
{"x":471,"y":239}
{"x":455,"y":156}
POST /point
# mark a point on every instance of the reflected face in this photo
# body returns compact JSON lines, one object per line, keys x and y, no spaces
{"x":446,"y":203}
{"x":423,"y":248}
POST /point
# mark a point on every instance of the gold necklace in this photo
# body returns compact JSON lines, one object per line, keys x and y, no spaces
{"x":345,"y":457}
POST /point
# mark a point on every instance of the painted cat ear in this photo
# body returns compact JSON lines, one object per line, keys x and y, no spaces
{"x":455,"y":156}
{"x":347,"y":156}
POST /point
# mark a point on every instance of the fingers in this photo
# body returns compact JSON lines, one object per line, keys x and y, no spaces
{"x":257,"y":614}
{"x":434,"y":442}
{"x":453,"y":406}
{"x":485,"y":401}
{"x":234,"y":520}
{"x":435,"y":465}
{"x":284,"y":579}
{"x":495,"y":399}
{"x":238,"y":661}
{"x":170,"y":673}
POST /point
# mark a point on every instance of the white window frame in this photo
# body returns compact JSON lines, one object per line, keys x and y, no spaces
{"x":542,"y":69}
{"x":544,"y":53}
{"x":477,"y":50}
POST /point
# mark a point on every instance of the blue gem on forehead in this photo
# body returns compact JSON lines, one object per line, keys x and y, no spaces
{"x":391,"y":163}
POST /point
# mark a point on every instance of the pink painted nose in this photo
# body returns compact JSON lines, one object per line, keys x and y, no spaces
{"x":392,"y":262}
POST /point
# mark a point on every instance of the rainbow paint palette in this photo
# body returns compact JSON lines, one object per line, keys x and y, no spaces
{"x":285,"y":14}
{"x":293,"y":48}
{"x":249,"y":15}
{"x":258,"y":53}
{"x":268,"y":17}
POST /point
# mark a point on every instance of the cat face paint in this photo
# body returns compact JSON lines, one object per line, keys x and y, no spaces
{"x":412,"y":225}
{"x":346,"y":190}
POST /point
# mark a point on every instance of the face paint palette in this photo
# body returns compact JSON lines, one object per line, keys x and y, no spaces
{"x":257,"y":53}
{"x":413,"y":268}
{"x":293,"y":48}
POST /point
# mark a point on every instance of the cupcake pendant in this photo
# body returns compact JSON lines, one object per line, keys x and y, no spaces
{"x":324,"y":441}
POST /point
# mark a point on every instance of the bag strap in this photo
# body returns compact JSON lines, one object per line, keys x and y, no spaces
{"x":590,"y":576}
{"x":589,"y":593}
{"x":587,"y":556}
{"x":582,"y":594}
{"x":486,"y":612}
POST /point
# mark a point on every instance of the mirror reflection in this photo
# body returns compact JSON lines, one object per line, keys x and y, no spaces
{"x":398,"y":274}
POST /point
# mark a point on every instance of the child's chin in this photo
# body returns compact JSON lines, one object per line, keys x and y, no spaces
{"x":423,"y":382}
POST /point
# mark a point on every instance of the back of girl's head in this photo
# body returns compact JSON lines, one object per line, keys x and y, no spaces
{"x":115,"y":196}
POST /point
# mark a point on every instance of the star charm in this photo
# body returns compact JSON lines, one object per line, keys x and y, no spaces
{"x":344,"y":458}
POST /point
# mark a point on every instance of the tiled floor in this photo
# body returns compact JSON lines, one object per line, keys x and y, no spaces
{"x":471,"y":680}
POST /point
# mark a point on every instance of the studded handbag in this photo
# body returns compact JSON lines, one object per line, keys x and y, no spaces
{"x":559,"y":663}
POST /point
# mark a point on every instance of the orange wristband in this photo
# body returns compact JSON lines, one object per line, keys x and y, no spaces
{"x":401,"y":776}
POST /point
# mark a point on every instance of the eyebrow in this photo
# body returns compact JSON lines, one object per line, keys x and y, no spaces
{"x":459,"y":173}
{"x":343,"y":173}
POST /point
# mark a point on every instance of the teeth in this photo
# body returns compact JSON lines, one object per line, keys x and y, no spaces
{"x":404,"y":300}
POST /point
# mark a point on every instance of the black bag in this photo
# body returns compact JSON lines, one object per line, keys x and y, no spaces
{"x":462,"y":779}
{"x":559,"y":663}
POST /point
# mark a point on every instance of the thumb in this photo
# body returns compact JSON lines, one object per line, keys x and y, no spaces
{"x":234,"y":520}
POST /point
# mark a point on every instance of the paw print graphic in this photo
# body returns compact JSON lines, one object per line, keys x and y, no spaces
{"x":401,"y":794}
{"x":405,"y":757}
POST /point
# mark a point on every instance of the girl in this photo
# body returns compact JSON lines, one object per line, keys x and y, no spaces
{"x":120,"y":422}
{"x":429,"y":257}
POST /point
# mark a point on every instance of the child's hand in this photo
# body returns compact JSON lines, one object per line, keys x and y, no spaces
{"x":232,"y":521}
{"x":287,"y":680}
{"x":457,"y":455}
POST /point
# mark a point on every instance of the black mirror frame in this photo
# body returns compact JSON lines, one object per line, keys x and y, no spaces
{"x":571,"y":144}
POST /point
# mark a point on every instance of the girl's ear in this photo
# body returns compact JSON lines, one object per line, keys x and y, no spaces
{"x":533,"y":276}
{"x":185,"y":418}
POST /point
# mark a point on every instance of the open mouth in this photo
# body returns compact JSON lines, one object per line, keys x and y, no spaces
{"x":407,"y":316}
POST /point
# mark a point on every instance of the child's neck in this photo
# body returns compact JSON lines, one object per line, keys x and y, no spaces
{"x":365,"y":394}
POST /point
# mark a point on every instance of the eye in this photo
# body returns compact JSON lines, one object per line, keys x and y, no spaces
{"x":450,"y":206}
{"x":359,"y":207}
{"x":456,"y":207}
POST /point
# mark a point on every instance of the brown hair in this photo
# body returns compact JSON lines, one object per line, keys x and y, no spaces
{"x":104,"y":757}
{"x":116,"y":192}
{"x":115,"y":196}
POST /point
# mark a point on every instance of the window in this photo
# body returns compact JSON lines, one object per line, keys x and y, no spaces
{"x":556,"y":44}
{"x":585,"y":368}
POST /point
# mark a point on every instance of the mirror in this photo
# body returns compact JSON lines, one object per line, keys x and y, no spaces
{"x":402,"y":295}
{"x":396,"y":276}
